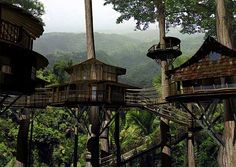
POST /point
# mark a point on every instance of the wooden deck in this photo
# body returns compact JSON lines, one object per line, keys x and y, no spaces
{"x":145,"y":99}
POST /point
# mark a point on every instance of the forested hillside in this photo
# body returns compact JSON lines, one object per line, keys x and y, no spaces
{"x":126,"y":50}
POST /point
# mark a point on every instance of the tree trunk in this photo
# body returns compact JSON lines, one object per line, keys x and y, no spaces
{"x":222,"y":24}
{"x":93,"y":142}
{"x":92,"y":158}
{"x":104,"y":141}
{"x":75,"y":157}
{"x":117,"y":139}
{"x":89,"y":29}
{"x":164,"y":125}
{"x":22,"y":142}
{"x":227,"y":153}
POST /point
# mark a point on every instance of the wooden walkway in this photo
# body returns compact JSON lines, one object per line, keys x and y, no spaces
{"x":143,"y":150}
{"x":149,"y":100}
{"x":146,"y":99}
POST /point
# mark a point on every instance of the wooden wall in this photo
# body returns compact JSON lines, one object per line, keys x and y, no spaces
{"x":99,"y":72}
{"x":206,"y":68}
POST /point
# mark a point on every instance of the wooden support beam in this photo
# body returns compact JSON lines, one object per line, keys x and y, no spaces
{"x":3,"y":99}
{"x":7,"y":107}
{"x":117,"y":140}
{"x":205,"y":125}
{"x":75,"y":157}
{"x":30,"y":157}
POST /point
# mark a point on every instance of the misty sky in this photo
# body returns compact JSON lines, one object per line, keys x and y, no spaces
{"x":68,"y":16}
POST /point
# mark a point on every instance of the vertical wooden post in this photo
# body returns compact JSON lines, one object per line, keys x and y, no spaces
{"x":104,"y":136}
{"x":164,"y":125}
{"x":117,"y":139}
{"x":22,"y":141}
{"x":30,"y":157}
{"x":190,"y":144}
{"x":75,"y":158}
{"x":93,"y":141}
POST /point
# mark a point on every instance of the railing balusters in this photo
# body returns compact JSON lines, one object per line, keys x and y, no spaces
{"x":9,"y":32}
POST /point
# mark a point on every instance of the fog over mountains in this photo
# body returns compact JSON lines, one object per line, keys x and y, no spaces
{"x":126,"y":50}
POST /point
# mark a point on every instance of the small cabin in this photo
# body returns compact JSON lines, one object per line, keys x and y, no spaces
{"x":212,"y":69}
{"x":170,"y":51}
{"x":91,"y":82}
{"x":18,"y":62}
{"x":94,"y":70}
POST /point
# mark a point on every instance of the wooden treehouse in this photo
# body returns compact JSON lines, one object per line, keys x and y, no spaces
{"x":18,"y":62}
{"x":170,"y":51}
{"x":211,"y":72}
{"x":92,"y":82}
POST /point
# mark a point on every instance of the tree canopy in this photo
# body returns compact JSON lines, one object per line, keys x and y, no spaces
{"x":192,"y":15}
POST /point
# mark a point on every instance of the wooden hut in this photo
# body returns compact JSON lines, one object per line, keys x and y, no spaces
{"x":210,"y":72}
{"x":91,"y":82}
{"x":18,"y":62}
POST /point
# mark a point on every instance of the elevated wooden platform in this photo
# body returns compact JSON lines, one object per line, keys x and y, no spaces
{"x":204,"y":95}
{"x":146,"y":99}
{"x":171,"y":50}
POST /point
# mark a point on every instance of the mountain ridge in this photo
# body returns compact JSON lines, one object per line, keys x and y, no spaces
{"x":127,"y":51}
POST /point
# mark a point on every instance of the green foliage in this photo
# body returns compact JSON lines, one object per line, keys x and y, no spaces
{"x":142,"y":125}
{"x":59,"y":70}
{"x":8,"y":133}
{"x":193,"y":15}
{"x":179,"y":154}
{"x":157,"y":83}
{"x":126,"y":51}
{"x":206,"y":151}
{"x":47,"y":75}
{"x":143,"y":120}
{"x":5,"y":154}
{"x":54,"y":130}
{"x":143,"y":12}
{"x":180,"y":60}
{"x":56,"y":75}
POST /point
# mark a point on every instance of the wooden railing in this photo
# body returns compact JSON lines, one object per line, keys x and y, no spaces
{"x":10,"y":32}
{"x":77,"y":96}
{"x":201,"y":88}
{"x":146,"y":96}
{"x":170,"y":112}
{"x":47,"y":97}
{"x":40,"y":99}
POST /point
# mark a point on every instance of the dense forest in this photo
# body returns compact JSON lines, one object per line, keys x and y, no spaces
{"x":53,"y":129}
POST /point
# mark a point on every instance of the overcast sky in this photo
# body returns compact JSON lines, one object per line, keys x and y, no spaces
{"x":68,"y":16}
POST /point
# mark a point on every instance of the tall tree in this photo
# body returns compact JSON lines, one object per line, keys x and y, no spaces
{"x":227,"y":153}
{"x":92,"y":158}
